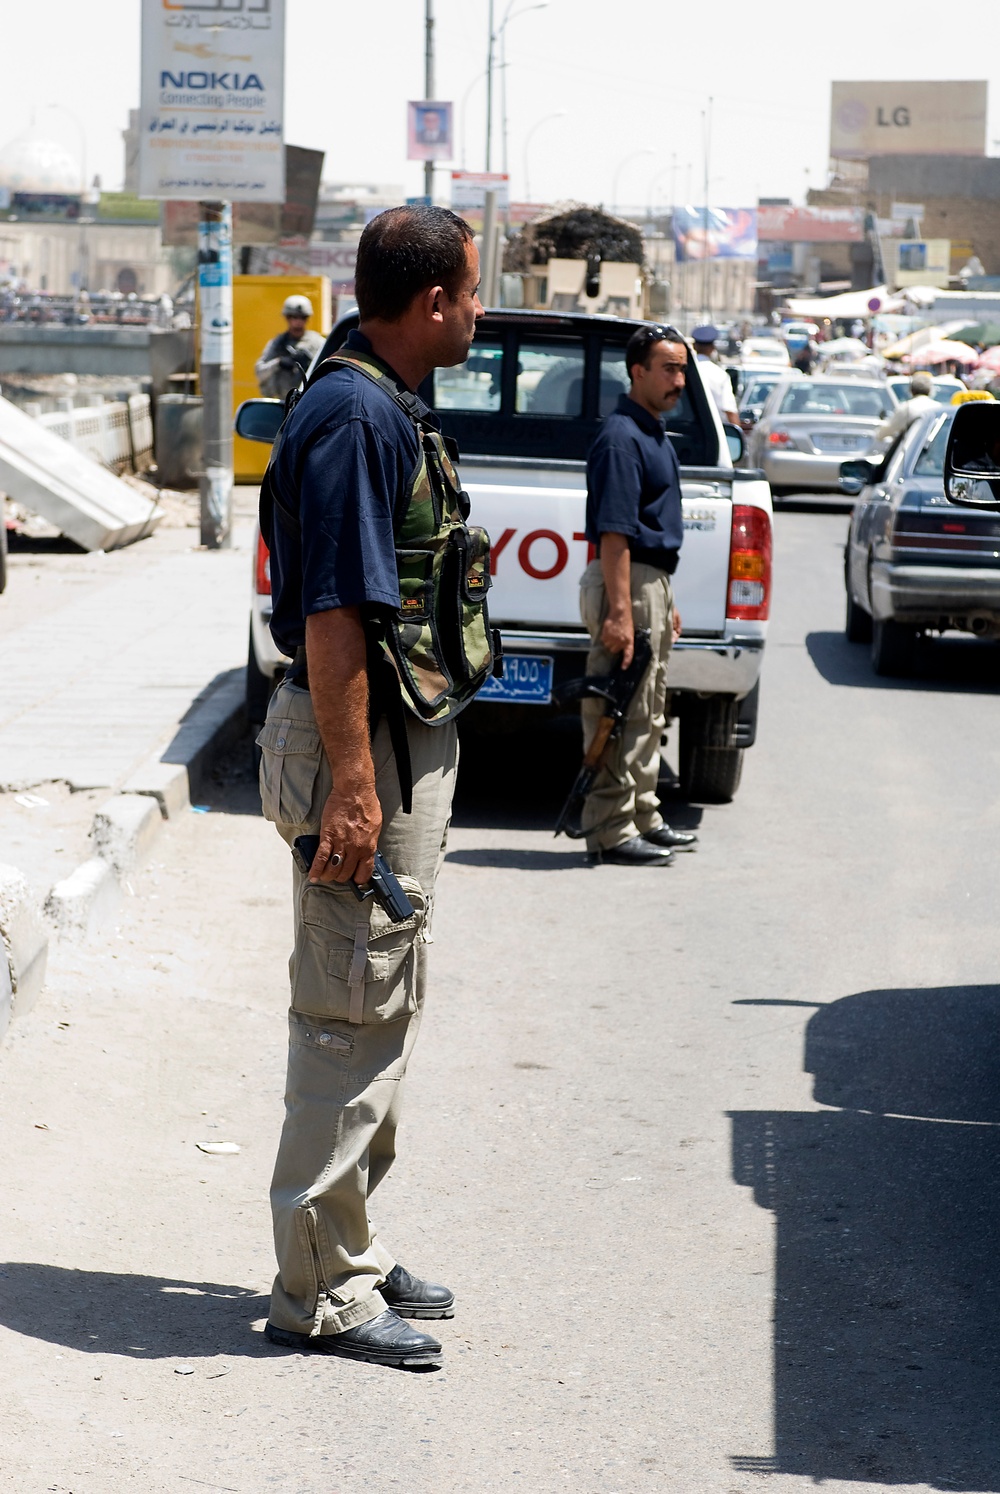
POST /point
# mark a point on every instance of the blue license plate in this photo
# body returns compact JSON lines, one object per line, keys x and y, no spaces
{"x":526,"y":678}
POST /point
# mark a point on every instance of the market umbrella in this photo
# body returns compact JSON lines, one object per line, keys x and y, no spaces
{"x":945,"y":351}
{"x":986,"y":333}
{"x":990,"y":359}
{"x":908,"y":345}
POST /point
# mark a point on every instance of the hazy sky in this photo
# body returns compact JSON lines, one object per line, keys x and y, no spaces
{"x":631,"y":75}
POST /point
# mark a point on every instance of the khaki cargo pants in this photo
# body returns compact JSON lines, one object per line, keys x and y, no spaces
{"x":623,"y":801}
{"x":357,"y":985}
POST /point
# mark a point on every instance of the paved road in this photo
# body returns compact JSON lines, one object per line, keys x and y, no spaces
{"x":709,"y":1155}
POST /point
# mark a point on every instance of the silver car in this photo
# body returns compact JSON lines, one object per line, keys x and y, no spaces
{"x":809,"y":426}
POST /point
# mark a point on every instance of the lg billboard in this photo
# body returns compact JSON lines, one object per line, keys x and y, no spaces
{"x":892,"y":119}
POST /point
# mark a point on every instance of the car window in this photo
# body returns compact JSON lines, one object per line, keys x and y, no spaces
{"x":930,"y":462}
{"x":834,"y":399}
{"x":756,"y":391}
{"x":943,"y":392}
{"x":549,"y":378}
{"x":475,"y":384}
{"x":614,"y":379}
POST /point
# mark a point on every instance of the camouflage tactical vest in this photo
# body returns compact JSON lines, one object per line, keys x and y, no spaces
{"x":439,"y":641}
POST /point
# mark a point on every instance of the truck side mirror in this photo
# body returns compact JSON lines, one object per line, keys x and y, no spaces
{"x":972,"y":460}
{"x":260,"y":419}
{"x":734,"y":440}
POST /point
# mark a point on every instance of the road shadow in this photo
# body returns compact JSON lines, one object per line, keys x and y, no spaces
{"x":806,"y":503}
{"x":887,"y":1272}
{"x":231,"y":785}
{"x":940,"y":664}
{"x":42,"y":544}
{"x":141,"y":1317}
{"x":516,"y":780}
{"x":507,"y":858}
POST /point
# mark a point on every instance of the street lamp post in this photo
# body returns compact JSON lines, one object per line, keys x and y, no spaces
{"x":502,"y":36}
{"x":429,"y":86}
{"x":646,"y":151}
{"x":558,"y":114}
{"x":497,"y":35}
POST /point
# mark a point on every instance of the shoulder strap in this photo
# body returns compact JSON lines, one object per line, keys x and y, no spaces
{"x":378,"y":374}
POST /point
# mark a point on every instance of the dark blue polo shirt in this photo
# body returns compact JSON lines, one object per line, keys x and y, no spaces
{"x":344,"y":466}
{"x":634,"y":486}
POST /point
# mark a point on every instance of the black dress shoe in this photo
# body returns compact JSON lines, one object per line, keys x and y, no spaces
{"x":674,"y":840}
{"x":634,"y":852}
{"x":385,"y":1340}
{"x":412,"y":1298}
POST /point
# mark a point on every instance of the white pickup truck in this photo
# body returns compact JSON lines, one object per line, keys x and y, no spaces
{"x":524,"y":409}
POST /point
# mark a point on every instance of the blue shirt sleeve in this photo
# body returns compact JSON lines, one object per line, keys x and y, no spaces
{"x":614,"y":486}
{"x":350,"y":479}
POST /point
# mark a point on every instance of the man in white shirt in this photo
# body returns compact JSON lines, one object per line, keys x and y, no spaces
{"x":910,"y":410}
{"x":714,"y":378}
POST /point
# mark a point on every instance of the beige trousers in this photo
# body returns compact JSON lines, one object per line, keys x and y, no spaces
{"x":357,"y":984}
{"x":623,"y":801}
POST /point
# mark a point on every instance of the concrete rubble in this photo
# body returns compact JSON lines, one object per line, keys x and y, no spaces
{"x":51,"y":478}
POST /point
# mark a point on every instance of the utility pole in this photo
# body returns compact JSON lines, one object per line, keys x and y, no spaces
{"x":707,"y":118}
{"x":489,"y":90}
{"x":429,"y":91}
{"x":215,"y":305}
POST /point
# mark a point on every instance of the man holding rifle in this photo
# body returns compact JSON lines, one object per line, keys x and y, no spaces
{"x":634,"y":521}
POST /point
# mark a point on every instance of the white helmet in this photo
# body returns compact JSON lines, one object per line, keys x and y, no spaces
{"x":297,"y":306}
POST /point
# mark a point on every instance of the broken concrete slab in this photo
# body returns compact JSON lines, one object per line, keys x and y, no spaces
{"x":25,"y":942}
{"x":50,"y":477}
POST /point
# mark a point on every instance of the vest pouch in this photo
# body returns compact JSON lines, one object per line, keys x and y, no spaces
{"x":468,"y":638}
{"x":351,"y":963}
{"x":413,"y":638}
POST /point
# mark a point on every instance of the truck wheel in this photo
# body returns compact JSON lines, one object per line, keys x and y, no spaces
{"x":260,"y":688}
{"x":711,"y":775}
{"x":857,"y":622}
{"x":892,"y":647}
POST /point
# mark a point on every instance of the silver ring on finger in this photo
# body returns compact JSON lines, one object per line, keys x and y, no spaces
{"x":335,"y":859}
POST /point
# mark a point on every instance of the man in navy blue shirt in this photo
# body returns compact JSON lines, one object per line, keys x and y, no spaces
{"x":634,"y":522}
{"x":341,"y":478}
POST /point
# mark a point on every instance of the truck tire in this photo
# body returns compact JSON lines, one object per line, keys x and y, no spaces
{"x":857,"y":622}
{"x":711,"y":775}
{"x":893,"y":647}
{"x":711,"y":760}
{"x":260,"y":688}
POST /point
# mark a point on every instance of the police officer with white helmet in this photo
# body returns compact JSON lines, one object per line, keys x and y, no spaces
{"x":283,"y":363}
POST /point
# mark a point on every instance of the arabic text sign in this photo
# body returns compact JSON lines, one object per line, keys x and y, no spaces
{"x":715,"y":233}
{"x":211,"y":118}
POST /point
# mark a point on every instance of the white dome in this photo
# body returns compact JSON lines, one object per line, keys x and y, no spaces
{"x":33,"y":164}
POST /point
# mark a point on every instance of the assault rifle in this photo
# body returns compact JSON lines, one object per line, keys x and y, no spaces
{"x":617,"y":690}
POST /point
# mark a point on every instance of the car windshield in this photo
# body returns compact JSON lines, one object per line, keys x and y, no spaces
{"x":944,"y":393}
{"x":757,"y":390}
{"x":930,"y":462}
{"x":810,"y":398}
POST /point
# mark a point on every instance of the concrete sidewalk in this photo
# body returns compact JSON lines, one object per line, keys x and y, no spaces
{"x":122,"y":673}
{"x":106,"y":673}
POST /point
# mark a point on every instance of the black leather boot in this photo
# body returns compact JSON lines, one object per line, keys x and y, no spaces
{"x":634,"y":852}
{"x":385,"y":1340}
{"x":412,"y":1298}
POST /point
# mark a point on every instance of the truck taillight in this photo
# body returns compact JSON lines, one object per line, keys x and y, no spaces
{"x":262,"y":570}
{"x":749,"y":594}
